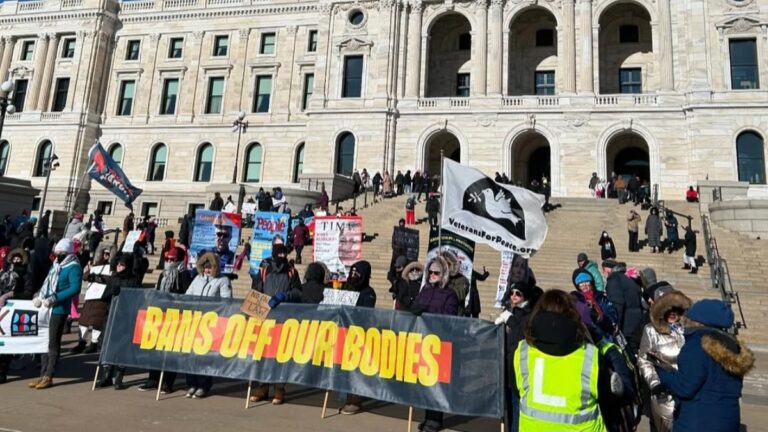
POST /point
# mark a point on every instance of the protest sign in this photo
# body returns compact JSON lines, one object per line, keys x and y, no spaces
{"x":437,"y":362}
{"x":23,"y":328}
{"x":514,"y":269}
{"x":501,"y":285}
{"x":131,"y":237}
{"x":256,"y":304}
{"x":463,"y":248}
{"x":339,"y":297}
{"x":216,"y":232}
{"x":95,"y":291}
{"x":102,"y":270}
{"x":405,"y":242}
{"x":266,"y":226}
{"x":249,"y":208}
{"x":338,"y":243}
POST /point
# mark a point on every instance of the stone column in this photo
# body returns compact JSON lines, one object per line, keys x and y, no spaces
{"x":480,"y":39}
{"x":586,"y":83}
{"x":50,"y":65}
{"x":666,"y":67}
{"x":37,"y":74}
{"x":189,"y":93}
{"x":495,"y":19}
{"x":414,"y":51}
{"x":569,"y":47}
{"x":9,"y":43}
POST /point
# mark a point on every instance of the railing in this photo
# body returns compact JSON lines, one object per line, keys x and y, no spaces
{"x":67,"y":4}
{"x":133,"y":6}
{"x":172,"y":4}
{"x":645,"y":100}
{"x":719,"y":273}
{"x":443,"y":102}
{"x":30,"y":6}
{"x":50,"y":116}
{"x":548,"y":101}
{"x":511,"y":102}
{"x":606,"y":100}
{"x":459,"y":102}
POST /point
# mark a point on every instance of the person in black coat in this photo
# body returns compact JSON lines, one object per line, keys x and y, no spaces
{"x":433,"y":209}
{"x":607,"y":248}
{"x":399,"y":183}
{"x":315,"y":282}
{"x":473,"y":310}
{"x":626,"y":297}
{"x":689,"y":260}
{"x":409,"y":287}
{"x":217,"y":203}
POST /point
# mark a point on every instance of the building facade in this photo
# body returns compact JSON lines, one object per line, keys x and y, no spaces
{"x":672,"y":91}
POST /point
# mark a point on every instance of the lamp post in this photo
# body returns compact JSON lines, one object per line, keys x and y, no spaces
{"x":6,"y":107}
{"x":239,"y":125}
{"x":50,"y":164}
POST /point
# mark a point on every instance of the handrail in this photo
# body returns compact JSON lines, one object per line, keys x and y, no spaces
{"x":720,"y":274}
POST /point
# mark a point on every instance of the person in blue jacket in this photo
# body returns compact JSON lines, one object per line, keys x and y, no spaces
{"x":710,"y":371}
{"x":59,"y":287}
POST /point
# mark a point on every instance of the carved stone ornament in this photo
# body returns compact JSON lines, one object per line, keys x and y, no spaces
{"x":244,"y":32}
{"x":531,"y":121}
{"x":154,"y":38}
{"x":627,"y":123}
{"x":21,"y":72}
{"x":577,"y":120}
{"x":740,"y":25}
{"x":198,"y":35}
{"x":486,"y":120}
{"x":355,"y":44}
{"x":291,"y":29}
{"x":385,"y":4}
{"x":325,"y":7}
{"x":740,"y":3}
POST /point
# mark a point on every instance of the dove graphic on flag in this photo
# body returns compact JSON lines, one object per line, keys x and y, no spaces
{"x":507,"y":218}
{"x":108,"y":173}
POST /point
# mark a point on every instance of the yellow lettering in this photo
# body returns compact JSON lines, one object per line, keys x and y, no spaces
{"x":305,"y":342}
{"x":168,"y":331}
{"x":264,"y":338}
{"x":287,"y":340}
{"x":150,"y":331}
{"x":233,"y":336}
{"x":203,"y":344}
{"x":250,"y":336}
{"x":430,"y":347}
{"x":353,"y":348}
{"x":371,"y":352}
{"x":326,"y":340}
{"x":185,"y":336}
{"x":400,"y":367}
{"x":388,"y":354}
{"x":411,"y":357}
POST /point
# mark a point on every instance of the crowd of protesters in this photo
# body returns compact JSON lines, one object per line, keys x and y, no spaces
{"x":590,"y":359}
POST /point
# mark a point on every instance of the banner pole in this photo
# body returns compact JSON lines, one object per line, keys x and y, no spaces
{"x":159,"y":385}
{"x":410,"y":418}
{"x":325,"y":404}
{"x":442,"y":202}
{"x":248,"y":396}
{"x":96,"y":377}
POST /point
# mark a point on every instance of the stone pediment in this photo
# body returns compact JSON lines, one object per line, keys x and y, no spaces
{"x":740,"y":25}
{"x":355,"y":45}
{"x":21,"y":71}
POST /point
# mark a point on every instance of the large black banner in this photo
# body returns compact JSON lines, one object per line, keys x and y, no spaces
{"x":405,"y":241}
{"x":436,"y":362}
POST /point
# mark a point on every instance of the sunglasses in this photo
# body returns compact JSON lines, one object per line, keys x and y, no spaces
{"x":221,"y":234}
{"x":436,"y":273}
{"x":516,"y":293}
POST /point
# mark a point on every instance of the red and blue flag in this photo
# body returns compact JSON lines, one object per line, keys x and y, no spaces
{"x":108,"y":173}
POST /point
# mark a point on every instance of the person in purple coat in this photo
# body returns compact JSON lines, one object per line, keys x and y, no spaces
{"x":435,"y":297}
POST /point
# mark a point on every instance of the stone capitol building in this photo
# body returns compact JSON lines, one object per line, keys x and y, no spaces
{"x":671,"y":90}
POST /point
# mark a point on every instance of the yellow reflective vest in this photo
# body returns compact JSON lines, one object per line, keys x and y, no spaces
{"x":558,"y":394}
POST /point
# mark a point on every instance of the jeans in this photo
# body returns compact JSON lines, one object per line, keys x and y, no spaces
{"x":168,"y":378}
{"x":298,"y":253}
{"x":633,"y":246}
{"x":407,"y":188}
{"x":55,"y":331}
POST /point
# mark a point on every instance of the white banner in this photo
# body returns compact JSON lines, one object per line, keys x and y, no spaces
{"x":95,"y":291}
{"x":130,"y":240}
{"x":23,"y":328}
{"x":339,"y":297}
{"x":501,"y":286}
{"x":249,"y":208}
{"x":338,"y":243}
{"x":502,"y":216}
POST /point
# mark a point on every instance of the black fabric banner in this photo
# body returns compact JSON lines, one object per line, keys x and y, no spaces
{"x":436,"y":362}
{"x":405,"y":241}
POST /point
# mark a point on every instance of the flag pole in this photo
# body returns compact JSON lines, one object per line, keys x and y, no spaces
{"x":80,"y":185}
{"x":442,"y":203}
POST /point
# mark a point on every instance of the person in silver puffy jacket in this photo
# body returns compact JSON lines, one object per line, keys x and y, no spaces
{"x":663,"y":337}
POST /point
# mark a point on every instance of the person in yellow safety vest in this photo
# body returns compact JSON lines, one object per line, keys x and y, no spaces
{"x":556,"y":370}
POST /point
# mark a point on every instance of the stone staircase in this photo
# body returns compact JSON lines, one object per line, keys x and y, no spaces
{"x":574,"y":227}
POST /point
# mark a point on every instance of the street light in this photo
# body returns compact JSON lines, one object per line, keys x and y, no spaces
{"x":5,"y":103}
{"x":239,"y":125}
{"x":51,"y":164}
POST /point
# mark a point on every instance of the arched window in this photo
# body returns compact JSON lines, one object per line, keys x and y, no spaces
{"x":204,"y":165}
{"x":157,"y":163}
{"x":43,"y":156}
{"x":751,"y":158}
{"x":298,"y":164}
{"x":253,"y":164}
{"x":5,"y":150}
{"x":345,"y":154}
{"x":116,"y":152}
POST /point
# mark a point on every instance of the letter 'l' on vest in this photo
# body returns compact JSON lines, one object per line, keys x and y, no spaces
{"x":558,"y":393}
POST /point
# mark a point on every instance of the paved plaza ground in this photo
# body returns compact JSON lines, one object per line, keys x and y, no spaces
{"x":71,"y":406}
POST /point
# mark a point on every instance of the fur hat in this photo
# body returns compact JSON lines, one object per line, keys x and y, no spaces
{"x":452,"y":261}
{"x":208,"y":259}
{"x":411,"y":267}
{"x":444,"y":269}
{"x":19,"y":252}
{"x":670,"y":300}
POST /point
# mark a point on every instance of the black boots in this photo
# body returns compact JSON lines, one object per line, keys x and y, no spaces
{"x":694,"y":270}
{"x":685,"y":267}
{"x":92,"y":348}
{"x":106,"y":379}
{"x":79,"y":348}
{"x":118,"y":380}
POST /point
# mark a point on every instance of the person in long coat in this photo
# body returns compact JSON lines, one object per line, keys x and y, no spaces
{"x":689,"y":259}
{"x":388,"y":184}
{"x":653,"y":230}
{"x":672,"y":237}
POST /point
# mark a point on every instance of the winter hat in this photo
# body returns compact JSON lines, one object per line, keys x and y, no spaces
{"x":609,"y":263}
{"x":78,"y":216}
{"x":711,"y":313}
{"x":632,"y":273}
{"x":64,"y":245}
{"x":554,"y":333}
{"x":582,"y":257}
{"x":583,"y":277}
{"x":401,"y":262}
{"x":279,"y":249}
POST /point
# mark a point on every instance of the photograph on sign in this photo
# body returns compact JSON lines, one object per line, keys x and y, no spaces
{"x":266,"y":226}
{"x":338,"y":243}
{"x":216,"y":232}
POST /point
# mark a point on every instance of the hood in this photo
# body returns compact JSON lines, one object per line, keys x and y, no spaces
{"x":208,"y":257}
{"x":407,"y":271}
{"x":364,"y":268}
{"x":102,"y":247}
{"x":729,"y":352}
{"x":648,"y":276}
{"x":315,"y":273}
{"x":452,"y":261}
{"x":664,"y":304}
{"x":20,"y":252}
{"x":554,"y":334}
{"x":444,"y":269}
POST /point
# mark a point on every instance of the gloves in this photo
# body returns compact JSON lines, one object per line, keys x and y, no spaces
{"x":659,"y":390}
{"x":617,"y":387}
{"x":37,"y":302}
{"x":277,"y":299}
{"x":49,"y":302}
{"x":503,"y":317}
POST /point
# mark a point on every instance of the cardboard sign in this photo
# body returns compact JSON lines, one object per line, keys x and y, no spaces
{"x":102,"y":270}
{"x":130,"y":240}
{"x":256,"y":304}
{"x":339,"y":297}
{"x":95,"y":291}
{"x":249,"y":208}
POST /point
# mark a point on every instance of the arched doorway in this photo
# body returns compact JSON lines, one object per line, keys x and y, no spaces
{"x":626,"y":58}
{"x":449,"y":59}
{"x":450,"y":146}
{"x":531,"y":158}
{"x":533,"y":53}
{"x":627,"y":156}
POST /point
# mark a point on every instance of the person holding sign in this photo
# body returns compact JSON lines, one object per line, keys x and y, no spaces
{"x":95,"y":308}
{"x":14,"y":284}
{"x":316,"y":280}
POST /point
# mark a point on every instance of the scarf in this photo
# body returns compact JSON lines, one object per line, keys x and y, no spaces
{"x":51,"y":282}
{"x":170,"y":281}
{"x":590,"y":297}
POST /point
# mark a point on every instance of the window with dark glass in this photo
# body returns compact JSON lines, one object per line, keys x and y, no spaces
{"x":465,"y":42}
{"x":353,"y":76}
{"x":750,"y":152}
{"x":194,"y":207}
{"x":215,"y":98}
{"x":104,"y":207}
{"x":149,"y":209}
{"x":545,"y":83}
{"x":630,"y":80}
{"x":5,"y":150}
{"x":462,"y":85}
{"x":204,"y":165}
{"x":27,"y":50}
{"x":312,"y":41}
{"x":298,"y":165}
{"x":175,"y":48}
{"x":309,"y":84}
{"x":545,"y":38}
{"x":744,"y":71}
{"x":267,"y":43}
{"x":60,"y":95}
{"x":132,"y":50}
{"x":629,"y":33}
{"x":170,"y":94}
{"x":263,"y":93}
{"x":20,"y":94}
{"x":43,"y":157}
{"x":253,"y":164}
{"x":345,"y":154}
{"x":356,"y":17}
{"x":116,"y":153}
{"x":157,"y":163}
{"x":125,"y":104}
{"x":220,"y":45}
{"x":68,"y":48}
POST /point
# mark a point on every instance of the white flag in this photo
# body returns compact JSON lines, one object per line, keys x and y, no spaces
{"x":507,"y":218}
